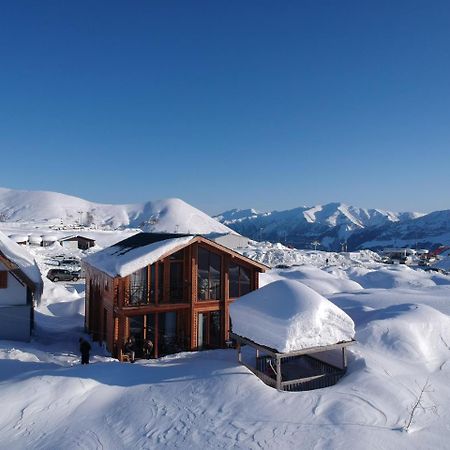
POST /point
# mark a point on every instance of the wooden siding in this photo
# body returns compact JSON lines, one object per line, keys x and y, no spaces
{"x":107,"y":300}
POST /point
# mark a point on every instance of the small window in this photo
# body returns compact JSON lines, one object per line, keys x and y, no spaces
{"x":3,"y":279}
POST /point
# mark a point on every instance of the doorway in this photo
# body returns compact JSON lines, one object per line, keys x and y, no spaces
{"x":209,"y":333}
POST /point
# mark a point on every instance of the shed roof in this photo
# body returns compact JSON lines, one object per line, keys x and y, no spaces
{"x":289,"y":316}
{"x":142,"y":249}
{"x":76,"y":236}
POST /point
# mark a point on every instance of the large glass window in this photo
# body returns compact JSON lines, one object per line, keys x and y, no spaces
{"x":209,"y":275}
{"x":173,"y":333}
{"x":176,"y":262}
{"x":209,"y":330}
{"x":160,"y":282}
{"x":136,"y":332}
{"x":152,"y":283}
{"x":239,"y":279}
{"x":138,"y":287}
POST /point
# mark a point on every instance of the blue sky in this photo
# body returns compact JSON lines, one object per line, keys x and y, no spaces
{"x":227,"y":104}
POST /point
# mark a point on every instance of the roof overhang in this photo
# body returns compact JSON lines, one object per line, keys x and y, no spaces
{"x":305,"y":351}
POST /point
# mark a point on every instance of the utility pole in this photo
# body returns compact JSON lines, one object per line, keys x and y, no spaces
{"x":81,"y":217}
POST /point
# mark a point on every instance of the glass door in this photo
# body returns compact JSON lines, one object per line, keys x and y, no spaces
{"x":209,"y":334}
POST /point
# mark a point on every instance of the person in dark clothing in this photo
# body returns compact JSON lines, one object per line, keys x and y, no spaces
{"x":129,"y":348}
{"x":147,"y":348}
{"x":85,"y":348}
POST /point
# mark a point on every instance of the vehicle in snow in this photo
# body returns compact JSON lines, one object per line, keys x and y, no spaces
{"x":63,"y":275}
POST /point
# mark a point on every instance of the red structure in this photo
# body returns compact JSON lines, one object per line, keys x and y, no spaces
{"x":172,"y":289}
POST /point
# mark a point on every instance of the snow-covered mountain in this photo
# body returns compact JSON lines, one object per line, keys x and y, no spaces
{"x":427,"y":231}
{"x":168,"y":215}
{"x":329,"y":224}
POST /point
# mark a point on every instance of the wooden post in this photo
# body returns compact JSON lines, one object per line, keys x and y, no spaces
{"x":278,"y":368}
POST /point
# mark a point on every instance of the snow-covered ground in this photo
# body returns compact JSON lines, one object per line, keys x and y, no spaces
{"x":207,"y":400}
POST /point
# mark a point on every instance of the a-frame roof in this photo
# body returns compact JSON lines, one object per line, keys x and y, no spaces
{"x":140,"y":250}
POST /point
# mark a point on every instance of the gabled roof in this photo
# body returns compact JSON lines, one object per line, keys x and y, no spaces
{"x":142,"y":249}
{"x":75,"y":236}
{"x":21,"y":263}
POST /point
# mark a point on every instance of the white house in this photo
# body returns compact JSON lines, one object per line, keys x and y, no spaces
{"x":20,"y":289}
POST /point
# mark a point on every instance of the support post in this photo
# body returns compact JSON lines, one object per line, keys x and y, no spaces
{"x":278,"y":369}
{"x":344,"y":358}
{"x":239,"y":351}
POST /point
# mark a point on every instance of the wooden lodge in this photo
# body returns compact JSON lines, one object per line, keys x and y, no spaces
{"x":172,"y":289}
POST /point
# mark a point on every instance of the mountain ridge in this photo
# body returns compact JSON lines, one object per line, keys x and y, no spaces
{"x":338,"y":225}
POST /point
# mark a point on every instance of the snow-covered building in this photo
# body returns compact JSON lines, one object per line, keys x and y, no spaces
{"x":73,"y":242}
{"x":49,"y":239}
{"x":20,"y":239}
{"x":20,"y":288}
{"x":299,"y":336}
{"x":35,"y":239}
{"x":172,"y":289}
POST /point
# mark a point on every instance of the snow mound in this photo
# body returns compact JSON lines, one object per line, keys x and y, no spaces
{"x":287,"y":315}
{"x":321,"y":281}
{"x":409,"y":332}
{"x":399,"y":276}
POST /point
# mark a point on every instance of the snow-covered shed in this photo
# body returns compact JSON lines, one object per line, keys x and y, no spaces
{"x":49,"y":239}
{"x":299,"y":336}
{"x":35,"y":239}
{"x":20,"y":239}
{"x":73,"y":242}
{"x":20,"y":289}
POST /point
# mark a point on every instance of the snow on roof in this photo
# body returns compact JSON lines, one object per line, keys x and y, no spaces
{"x":18,"y":237}
{"x":287,"y":316}
{"x":49,"y":237}
{"x":122,"y":259}
{"x":19,"y":256}
{"x":35,"y":238}
{"x":75,"y":236}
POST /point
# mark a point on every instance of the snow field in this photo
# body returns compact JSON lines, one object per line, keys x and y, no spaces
{"x":206,"y":400}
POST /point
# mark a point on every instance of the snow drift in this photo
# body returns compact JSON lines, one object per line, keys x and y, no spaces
{"x":287,"y":315}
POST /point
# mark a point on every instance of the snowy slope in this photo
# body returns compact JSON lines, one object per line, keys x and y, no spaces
{"x":207,"y":400}
{"x":169,"y":215}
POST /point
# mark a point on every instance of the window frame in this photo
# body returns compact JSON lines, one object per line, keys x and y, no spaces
{"x":209,"y":288}
{"x":240,"y":267}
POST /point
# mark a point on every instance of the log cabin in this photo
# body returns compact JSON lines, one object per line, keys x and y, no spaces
{"x":172,"y":289}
